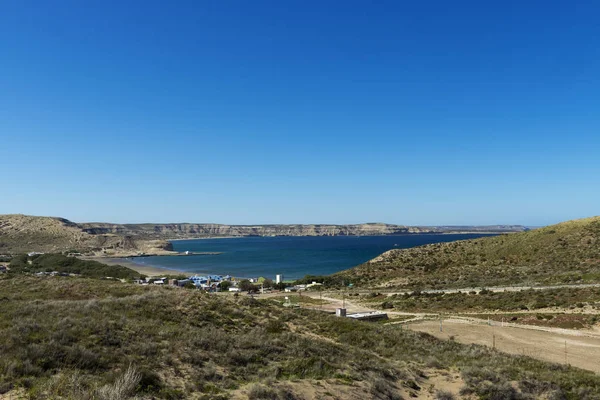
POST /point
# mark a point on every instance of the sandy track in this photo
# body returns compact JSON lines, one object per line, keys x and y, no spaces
{"x":581,"y":351}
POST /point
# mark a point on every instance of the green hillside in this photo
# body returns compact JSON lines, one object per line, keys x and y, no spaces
{"x":78,"y":338}
{"x":69,"y":265}
{"x":564,"y":253}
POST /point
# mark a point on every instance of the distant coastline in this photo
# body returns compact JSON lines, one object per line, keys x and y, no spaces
{"x":466,"y":232}
{"x":206,"y":237}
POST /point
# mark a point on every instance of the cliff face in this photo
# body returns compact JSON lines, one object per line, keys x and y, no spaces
{"x":175,"y":231}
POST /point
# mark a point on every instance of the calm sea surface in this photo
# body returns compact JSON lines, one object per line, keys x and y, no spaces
{"x":293,"y":257}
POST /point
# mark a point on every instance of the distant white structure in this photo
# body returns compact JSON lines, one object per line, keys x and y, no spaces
{"x":278,"y":278}
{"x":235,"y":289}
{"x":340,"y":312}
{"x":370,"y":315}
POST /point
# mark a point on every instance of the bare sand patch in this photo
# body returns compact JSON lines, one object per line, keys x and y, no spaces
{"x":553,"y":346}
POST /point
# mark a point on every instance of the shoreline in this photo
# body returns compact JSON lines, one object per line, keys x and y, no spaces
{"x":173,"y":254}
{"x":148,"y":270}
{"x":205,"y":237}
{"x":302,"y":236}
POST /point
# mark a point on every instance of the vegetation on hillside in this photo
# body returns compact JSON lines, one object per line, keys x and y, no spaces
{"x":565,"y":253}
{"x":551,"y":320}
{"x":24,"y":234}
{"x":78,"y":338}
{"x":574,"y":298}
{"x":69,"y":265}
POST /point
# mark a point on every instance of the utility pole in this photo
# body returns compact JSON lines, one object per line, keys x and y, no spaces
{"x":321,"y":298}
{"x":441,"y":326}
{"x":566,"y":352}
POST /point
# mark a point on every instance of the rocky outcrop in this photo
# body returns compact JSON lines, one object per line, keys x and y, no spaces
{"x":186,"y":230}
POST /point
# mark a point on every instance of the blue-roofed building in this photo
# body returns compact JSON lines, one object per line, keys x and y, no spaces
{"x":204,"y":280}
{"x":198,"y":280}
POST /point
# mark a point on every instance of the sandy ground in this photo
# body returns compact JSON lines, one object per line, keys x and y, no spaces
{"x":581,"y":351}
{"x":142,"y":269}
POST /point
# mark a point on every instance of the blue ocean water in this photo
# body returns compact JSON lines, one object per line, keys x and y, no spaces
{"x":294,"y":257}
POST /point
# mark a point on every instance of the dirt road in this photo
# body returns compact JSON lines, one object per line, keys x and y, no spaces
{"x":390,"y":292}
{"x":581,"y":351}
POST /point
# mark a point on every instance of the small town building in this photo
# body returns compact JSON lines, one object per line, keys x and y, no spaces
{"x":368,"y":316}
{"x":183,"y":282}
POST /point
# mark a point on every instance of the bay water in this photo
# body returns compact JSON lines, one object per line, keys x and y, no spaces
{"x":293,"y":257}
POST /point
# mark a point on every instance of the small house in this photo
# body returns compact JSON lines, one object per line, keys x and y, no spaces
{"x":183,"y":282}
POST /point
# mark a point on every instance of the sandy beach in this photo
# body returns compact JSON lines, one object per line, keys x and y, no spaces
{"x":142,"y":269}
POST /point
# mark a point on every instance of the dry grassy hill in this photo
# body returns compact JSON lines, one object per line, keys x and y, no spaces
{"x":564,"y":253}
{"x":23,"y":233}
{"x":76,"y":338}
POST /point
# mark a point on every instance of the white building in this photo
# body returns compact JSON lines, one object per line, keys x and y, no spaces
{"x":278,"y":278}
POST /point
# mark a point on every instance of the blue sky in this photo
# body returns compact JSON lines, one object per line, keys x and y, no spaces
{"x":417,"y":113}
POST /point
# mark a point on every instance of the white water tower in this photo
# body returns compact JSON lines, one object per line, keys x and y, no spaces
{"x":278,"y":278}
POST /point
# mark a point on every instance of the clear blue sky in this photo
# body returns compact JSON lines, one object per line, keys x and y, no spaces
{"x":416,"y":113}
